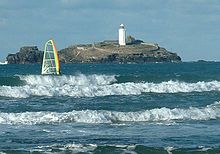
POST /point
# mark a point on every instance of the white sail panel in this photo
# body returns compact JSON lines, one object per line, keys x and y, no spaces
{"x":50,"y":59}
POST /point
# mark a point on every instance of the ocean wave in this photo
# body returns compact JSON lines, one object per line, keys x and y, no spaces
{"x":73,"y":148}
{"x":11,"y":81}
{"x":97,"y":85}
{"x":110,"y":148}
{"x":77,"y":80}
{"x":102,"y":116}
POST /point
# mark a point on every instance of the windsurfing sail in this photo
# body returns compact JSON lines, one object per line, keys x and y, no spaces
{"x":51,"y":63}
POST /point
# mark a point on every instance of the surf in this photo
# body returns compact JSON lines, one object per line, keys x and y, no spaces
{"x":97,"y":85}
{"x":209,"y":112}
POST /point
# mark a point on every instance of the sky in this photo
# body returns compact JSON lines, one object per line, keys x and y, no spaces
{"x":191,"y":28}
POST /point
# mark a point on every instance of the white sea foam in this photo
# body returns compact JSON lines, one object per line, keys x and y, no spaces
{"x":74,"y":148}
{"x":78,"y":80}
{"x":97,"y":85}
{"x":84,"y":148}
{"x":101,"y":116}
{"x":169,"y":149}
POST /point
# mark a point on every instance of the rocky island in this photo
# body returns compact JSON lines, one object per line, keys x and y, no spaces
{"x":124,"y":50}
{"x":26,"y":55}
{"x":103,"y":52}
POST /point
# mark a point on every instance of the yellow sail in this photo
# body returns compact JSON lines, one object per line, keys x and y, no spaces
{"x":51,"y":63}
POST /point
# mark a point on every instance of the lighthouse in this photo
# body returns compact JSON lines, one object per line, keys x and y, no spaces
{"x":121,"y":35}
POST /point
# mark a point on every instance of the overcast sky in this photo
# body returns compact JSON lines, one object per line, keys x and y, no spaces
{"x":191,"y":28}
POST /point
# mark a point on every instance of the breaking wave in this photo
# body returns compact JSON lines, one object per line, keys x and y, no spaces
{"x":102,"y":116}
{"x":97,"y":85}
{"x":77,"y":80}
{"x":111,"y":148}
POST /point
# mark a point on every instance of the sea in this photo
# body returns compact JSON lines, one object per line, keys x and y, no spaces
{"x":155,"y":108}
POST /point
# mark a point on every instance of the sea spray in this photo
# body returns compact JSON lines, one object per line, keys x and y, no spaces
{"x":79,"y":79}
{"x":97,"y":85}
{"x":102,"y":116}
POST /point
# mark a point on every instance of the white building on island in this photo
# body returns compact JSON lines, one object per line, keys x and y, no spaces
{"x":121,"y":35}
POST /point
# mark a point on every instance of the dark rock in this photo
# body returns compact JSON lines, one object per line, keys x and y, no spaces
{"x":26,"y":55}
{"x":102,"y":52}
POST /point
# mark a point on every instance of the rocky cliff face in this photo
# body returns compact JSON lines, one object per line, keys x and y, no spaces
{"x":26,"y":55}
{"x":98,"y":53}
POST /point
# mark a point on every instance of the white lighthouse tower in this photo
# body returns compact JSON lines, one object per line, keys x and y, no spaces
{"x":121,"y":35}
